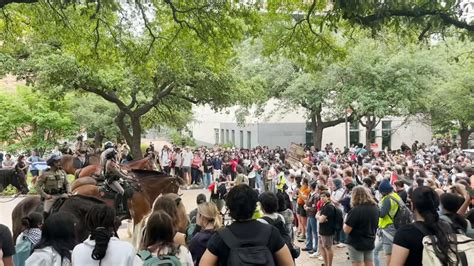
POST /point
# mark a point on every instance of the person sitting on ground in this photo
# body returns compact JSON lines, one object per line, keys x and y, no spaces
{"x":103,"y":246}
{"x":58,"y":238}
{"x":407,"y":244}
{"x":159,"y":241}
{"x":242,"y":201}
{"x":29,"y":238}
{"x":7,"y":249}
{"x":208,"y":219}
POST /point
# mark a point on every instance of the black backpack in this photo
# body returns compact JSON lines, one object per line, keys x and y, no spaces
{"x":403,"y":215}
{"x":280,"y":225}
{"x":338,"y":219}
{"x":245,"y":253}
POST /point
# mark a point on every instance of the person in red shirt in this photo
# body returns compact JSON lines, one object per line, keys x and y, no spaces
{"x":233,"y":167}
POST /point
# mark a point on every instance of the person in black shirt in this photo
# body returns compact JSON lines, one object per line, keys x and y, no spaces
{"x":7,"y":249}
{"x":242,"y":201}
{"x":400,"y":189}
{"x":361,"y":226}
{"x":407,"y":243}
{"x":325,"y":217}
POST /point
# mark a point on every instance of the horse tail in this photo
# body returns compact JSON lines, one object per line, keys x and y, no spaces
{"x":77,"y":173}
{"x":87,"y":180}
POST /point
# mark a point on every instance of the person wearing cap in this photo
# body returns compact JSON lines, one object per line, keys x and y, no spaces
{"x":52,"y":184}
{"x":388,"y":209}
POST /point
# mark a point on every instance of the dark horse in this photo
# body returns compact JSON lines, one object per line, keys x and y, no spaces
{"x":148,"y":185}
{"x":11,"y":177}
{"x":77,"y":205}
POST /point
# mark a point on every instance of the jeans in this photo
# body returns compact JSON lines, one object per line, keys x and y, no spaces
{"x":312,"y":234}
{"x":207,"y":179}
{"x":258,"y":180}
{"x":195,"y":175}
{"x":377,"y":249}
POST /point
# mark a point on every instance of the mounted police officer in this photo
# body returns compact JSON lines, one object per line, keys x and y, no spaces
{"x":52,"y":183}
{"x":81,"y":149}
{"x":113,"y":174}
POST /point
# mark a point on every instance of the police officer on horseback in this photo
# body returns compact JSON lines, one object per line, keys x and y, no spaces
{"x":52,"y":184}
{"x":113,"y":174}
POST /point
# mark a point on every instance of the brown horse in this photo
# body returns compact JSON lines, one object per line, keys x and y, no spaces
{"x":147,"y":163}
{"x":67,"y":162}
{"x":77,"y":205}
{"x":150,"y":183}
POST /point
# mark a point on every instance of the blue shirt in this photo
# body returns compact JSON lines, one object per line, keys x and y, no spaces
{"x":217,"y":164}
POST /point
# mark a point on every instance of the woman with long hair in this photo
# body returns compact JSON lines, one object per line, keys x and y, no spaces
{"x":407,"y":243}
{"x":58,"y":238}
{"x":103,"y":246}
{"x":360,"y":226}
{"x":209,"y":219}
{"x":158,"y":240}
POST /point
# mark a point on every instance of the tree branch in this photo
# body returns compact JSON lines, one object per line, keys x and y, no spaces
{"x":111,"y":97}
{"x":120,"y":121}
{"x":414,"y":13}
{"x":164,"y":91}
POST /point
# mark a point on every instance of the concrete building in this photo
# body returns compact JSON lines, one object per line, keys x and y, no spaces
{"x":281,"y":129}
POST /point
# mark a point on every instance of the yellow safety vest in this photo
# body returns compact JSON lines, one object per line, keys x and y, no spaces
{"x":386,"y":220}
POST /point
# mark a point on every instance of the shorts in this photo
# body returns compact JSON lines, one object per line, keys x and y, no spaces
{"x":301,"y":211}
{"x":358,"y":256}
{"x":325,"y":241}
{"x":34,"y":172}
{"x":186,"y":169}
{"x":386,"y":241}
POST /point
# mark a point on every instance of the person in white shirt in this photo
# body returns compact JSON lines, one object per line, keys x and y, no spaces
{"x":8,"y":162}
{"x":103,"y":247}
{"x":186,"y":165}
{"x":58,"y":238}
{"x":158,"y":240}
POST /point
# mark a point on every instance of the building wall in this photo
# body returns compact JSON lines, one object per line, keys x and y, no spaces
{"x":277,"y":129}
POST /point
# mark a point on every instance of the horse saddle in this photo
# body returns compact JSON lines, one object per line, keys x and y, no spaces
{"x":57,"y":205}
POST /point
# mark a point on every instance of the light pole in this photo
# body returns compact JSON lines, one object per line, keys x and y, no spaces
{"x":347,"y":113}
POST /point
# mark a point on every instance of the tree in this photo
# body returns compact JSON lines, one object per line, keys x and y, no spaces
{"x":377,"y":80}
{"x":31,"y":121}
{"x":177,"y":57}
{"x":300,"y":82}
{"x":451,"y":101}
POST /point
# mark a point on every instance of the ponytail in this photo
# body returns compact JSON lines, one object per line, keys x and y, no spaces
{"x":426,"y":202}
{"x":101,"y":237}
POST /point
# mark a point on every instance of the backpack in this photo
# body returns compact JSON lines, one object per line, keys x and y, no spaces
{"x":23,"y":249}
{"x":403,"y":215}
{"x":280,"y":225}
{"x":248,"y":254}
{"x":338,"y":219}
{"x":464,"y":247}
{"x":161,"y":260}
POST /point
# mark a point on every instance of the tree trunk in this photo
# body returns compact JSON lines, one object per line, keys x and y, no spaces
{"x":135,"y":148}
{"x":317,"y":128}
{"x":98,"y":138}
{"x":464,"y":134}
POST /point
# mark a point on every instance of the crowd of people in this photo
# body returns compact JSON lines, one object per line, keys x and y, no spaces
{"x":366,"y":202}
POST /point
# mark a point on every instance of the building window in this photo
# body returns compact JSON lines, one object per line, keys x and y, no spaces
{"x":249,"y":140}
{"x":241,"y":139}
{"x":386,"y":134}
{"x":354,"y":134}
{"x":222,"y":136}
{"x":216,"y":135}
{"x":233,"y":137}
{"x":309,"y":134}
{"x":227,"y":138}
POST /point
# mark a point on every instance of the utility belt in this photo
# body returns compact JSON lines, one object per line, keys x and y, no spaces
{"x":55,"y":191}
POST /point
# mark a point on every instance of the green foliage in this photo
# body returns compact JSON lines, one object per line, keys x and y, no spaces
{"x":180,"y":139}
{"x":32,"y":121}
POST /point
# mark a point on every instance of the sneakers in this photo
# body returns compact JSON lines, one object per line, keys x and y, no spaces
{"x":314,"y":255}
{"x":340,"y":245}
